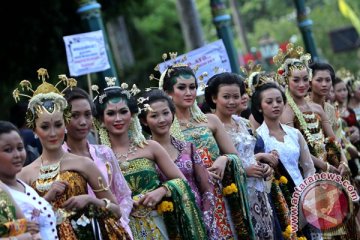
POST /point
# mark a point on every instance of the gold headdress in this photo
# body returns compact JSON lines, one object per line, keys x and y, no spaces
{"x":293,"y":58}
{"x":110,"y":82}
{"x":252,"y":72}
{"x":349,"y":78}
{"x":135,"y":131}
{"x":46,"y":97}
{"x":175,"y":63}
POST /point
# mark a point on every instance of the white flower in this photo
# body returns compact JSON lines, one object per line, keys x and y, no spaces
{"x":124,"y":85}
{"x":83,"y":221}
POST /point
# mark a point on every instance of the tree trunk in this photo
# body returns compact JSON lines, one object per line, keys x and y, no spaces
{"x":190,"y":24}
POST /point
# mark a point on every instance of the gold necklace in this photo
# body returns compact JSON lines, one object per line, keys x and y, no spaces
{"x":124,"y":157}
{"x":47,"y":175}
{"x":187,"y":123}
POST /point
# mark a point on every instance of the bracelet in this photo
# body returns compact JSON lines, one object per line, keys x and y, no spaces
{"x":327,"y":167}
{"x":168,"y":192}
{"x":345,"y":164}
{"x":107,"y":203}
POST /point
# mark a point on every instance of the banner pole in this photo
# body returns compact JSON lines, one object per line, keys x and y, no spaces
{"x":88,"y":76}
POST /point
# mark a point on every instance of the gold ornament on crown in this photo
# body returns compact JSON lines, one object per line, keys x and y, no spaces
{"x":44,"y":92}
{"x":252,"y":70}
{"x":292,"y":58}
{"x":110,"y":82}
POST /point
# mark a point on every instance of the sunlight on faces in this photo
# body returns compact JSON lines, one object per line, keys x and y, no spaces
{"x":117,"y":116}
{"x":299,"y":82}
{"x":50,"y":128}
{"x":81,"y":119}
{"x":341,"y":92}
{"x":184,"y":93}
{"x":272,"y":103}
{"x":321,"y":83}
{"x":228,"y":99}
{"x":12,"y":154}
{"x":159,"y":118}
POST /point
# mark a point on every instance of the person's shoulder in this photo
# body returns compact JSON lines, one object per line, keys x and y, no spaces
{"x":152,"y":144}
{"x":72,"y":158}
{"x":101,"y":148}
{"x":316,"y":107}
{"x":28,"y":171}
{"x":213,"y":119}
{"x":328,"y":105}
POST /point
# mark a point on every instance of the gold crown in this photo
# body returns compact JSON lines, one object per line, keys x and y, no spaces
{"x":345,"y":75}
{"x":45,"y":87}
{"x":171,"y":56}
{"x":349,"y":78}
{"x":110,"y":82}
{"x":45,"y":92}
{"x":288,"y":60}
{"x":251,"y":71}
{"x":291,"y":52}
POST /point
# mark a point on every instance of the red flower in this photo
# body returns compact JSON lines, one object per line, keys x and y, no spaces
{"x":280,"y":71}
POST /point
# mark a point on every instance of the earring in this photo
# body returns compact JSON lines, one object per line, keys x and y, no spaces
{"x":65,"y":130}
{"x":36,"y":136}
{"x":260,"y":110}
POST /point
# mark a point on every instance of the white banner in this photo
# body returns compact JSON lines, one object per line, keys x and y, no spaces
{"x":86,"y":53}
{"x":211,"y":58}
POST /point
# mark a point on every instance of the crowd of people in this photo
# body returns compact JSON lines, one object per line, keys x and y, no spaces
{"x":161,"y":167}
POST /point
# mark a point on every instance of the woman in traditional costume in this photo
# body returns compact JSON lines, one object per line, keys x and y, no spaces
{"x":217,"y":151}
{"x":223,"y":94}
{"x":120,"y":129}
{"x":321,"y":83}
{"x":295,"y":163}
{"x":21,"y":217}
{"x":78,"y":128}
{"x":62,"y":177}
{"x":308,"y":117}
{"x":157,"y":115}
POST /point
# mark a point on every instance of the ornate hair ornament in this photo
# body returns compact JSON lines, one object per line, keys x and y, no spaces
{"x":349,"y":78}
{"x":46,"y":98}
{"x":292,"y":58}
{"x":141,"y":101}
{"x":175,"y":63}
{"x":253,"y":71}
{"x":110,"y":82}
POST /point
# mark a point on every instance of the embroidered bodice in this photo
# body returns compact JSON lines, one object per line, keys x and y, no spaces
{"x":103,"y":156}
{"x":203,"y":138}
{"x":245,"y":143}
{"x":141,"y":175}
{"x":315,"y":129}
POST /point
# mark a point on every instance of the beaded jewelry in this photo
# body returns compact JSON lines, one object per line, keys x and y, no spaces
{"x":47,"y":175}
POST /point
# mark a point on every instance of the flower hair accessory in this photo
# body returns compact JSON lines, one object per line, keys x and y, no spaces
{"x":293,"y":57}
{"x":252,"y":71}
{"x":110,"y":82}
{"x":46,"y":98}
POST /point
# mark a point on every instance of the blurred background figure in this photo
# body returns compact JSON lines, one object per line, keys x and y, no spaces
{"x":31,"y":143}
